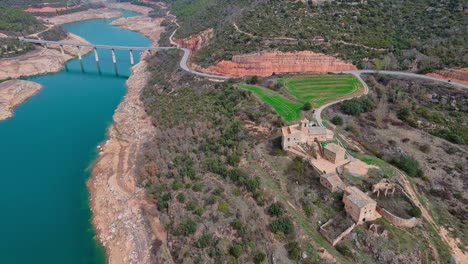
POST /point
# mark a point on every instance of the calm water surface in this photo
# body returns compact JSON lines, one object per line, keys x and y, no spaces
{"x":47,"y":147}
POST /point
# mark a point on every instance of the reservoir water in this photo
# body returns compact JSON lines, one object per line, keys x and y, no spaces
{"x":46,"y":149}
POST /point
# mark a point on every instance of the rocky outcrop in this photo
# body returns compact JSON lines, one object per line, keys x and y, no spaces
{"x":126,"y":224}
{"x":13,"y":93}
{"x":459,"y":75}
{"x":266,"y":64}
{"x":40,"y":60}
{"x":196,"y":42}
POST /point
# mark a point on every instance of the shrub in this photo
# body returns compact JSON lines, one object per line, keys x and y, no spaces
{"x":223,"y":207}
{"x":234,"y":159}
{"x":275,"y":209}
{"x":259,"y":258}
{"x":236,"y":250}
{"x":337,"y":120}
{"x":204,"y":241}
{"x":404,"y":114}
{"x":191,"y":206}
{"x":415,"y":212}
{"x":344,"y":250}
{"x":188,"y":227}
{"x":294,"y":250}
{"x":283,"y":224}
{"x":181,"y":197}
{"x":307,"y":106}
{"x":197,"y":187}
{"x":199,"y":211}
{"x":218,"y":191}
{"x":239,"y":227}
{"x":252,"y":79}
{"x":176,"y":185}
{"x":409,"y":165}
{"x":253,"y":184}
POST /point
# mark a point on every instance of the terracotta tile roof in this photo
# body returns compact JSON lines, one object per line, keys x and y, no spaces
{"x":357,"y":197}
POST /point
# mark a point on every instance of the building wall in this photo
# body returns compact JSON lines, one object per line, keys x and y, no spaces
{"x":334,"y":157}
{"x":292,"y":140}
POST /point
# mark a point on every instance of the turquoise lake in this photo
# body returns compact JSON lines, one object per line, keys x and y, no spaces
{"x":46,"y":150}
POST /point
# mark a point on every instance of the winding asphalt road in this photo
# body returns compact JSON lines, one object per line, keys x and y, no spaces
{"x":357,"y":73}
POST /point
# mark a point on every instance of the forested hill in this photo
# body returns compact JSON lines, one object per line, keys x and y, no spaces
{"x":418,"y":35}
{"x":27,"y":3}
{"x":16,"y":22}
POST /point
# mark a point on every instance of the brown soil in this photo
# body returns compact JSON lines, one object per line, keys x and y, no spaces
{"x":14,"y":93}
{"x":47,"y":9}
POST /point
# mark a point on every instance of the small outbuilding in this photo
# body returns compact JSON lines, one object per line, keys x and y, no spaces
{"x":359,"y":206}
{"x":332,"y":182}
{"x":334,"y":153}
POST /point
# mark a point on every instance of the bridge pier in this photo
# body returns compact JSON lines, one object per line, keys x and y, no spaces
{"x":114,"y":59}
{"x":61,"y":50}
{"x":79,"y":53}
{"x":132,"y":62}
{"x":96,"y":55}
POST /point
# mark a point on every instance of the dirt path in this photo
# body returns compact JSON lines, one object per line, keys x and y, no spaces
{"x":459,"y":255}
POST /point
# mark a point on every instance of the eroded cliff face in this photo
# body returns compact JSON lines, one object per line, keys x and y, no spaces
{"x":126,"y":224}
{"x":459,"y":75}
{"x":265,"y":64}
{"x":196,"y":42}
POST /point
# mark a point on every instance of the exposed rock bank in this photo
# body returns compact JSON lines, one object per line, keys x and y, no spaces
{"x":40,"y":60}
{"x":14,"y":93}
{"x":265,"y":64}
{"x":150,"y":27}
{"x":125,"y":224}
{"x":101,"y":13}
{"x":128,"y":6}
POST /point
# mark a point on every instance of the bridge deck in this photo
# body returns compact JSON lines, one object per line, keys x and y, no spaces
{"x":37,"y":41}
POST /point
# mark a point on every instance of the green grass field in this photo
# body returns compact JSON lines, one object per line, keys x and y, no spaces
{"x":320,"y":89}
{"x":288,"y":109}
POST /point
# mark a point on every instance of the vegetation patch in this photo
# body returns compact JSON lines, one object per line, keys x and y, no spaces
{"x":321,"y":89}
{"x":287,"y":109}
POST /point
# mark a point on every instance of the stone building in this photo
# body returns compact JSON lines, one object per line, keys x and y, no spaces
{"x":304,"y":132}
{"x":359,"y":206}
{"x":334,"y":153}
{"x":332,"y":182}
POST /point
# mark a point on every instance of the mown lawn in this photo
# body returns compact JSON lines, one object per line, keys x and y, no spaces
{"x":320,"y":89}
{"x":288,"y":109}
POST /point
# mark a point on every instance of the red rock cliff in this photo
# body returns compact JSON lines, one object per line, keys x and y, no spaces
{"x":458,"y":75}
{"x":195,"y":42}
{"x":265,"y":64}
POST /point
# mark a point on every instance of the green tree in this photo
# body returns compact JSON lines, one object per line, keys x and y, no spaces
{"x":337,"y":120}
{"x":307,"y":106}
{"x":275,"y":209}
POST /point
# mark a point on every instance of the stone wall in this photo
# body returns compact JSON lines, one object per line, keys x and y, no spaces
{"x":398,"y":221}
{"x":334,"y":241}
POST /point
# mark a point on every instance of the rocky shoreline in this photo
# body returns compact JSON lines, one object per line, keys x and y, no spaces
{"x":14,"y":93}
{"x":101,"y":13}
{"x":40,"y":61}
{"x":126,"y":224}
